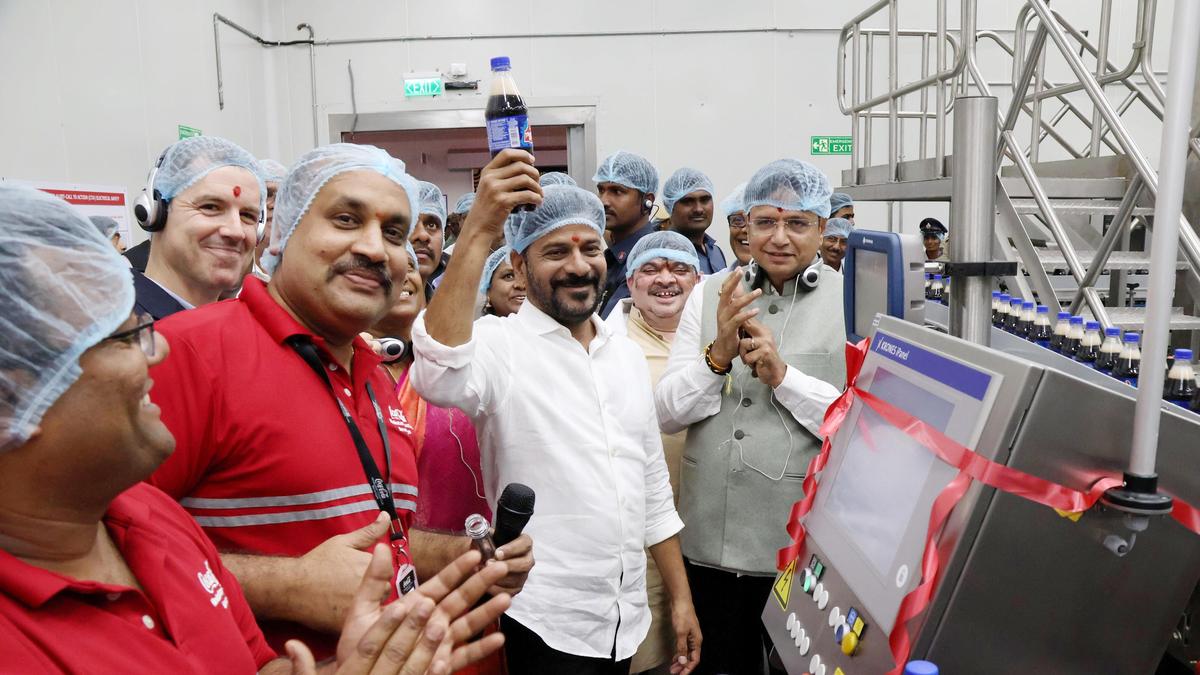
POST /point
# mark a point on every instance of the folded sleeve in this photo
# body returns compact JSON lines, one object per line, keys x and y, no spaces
{"x":688,"y":391}
{"x":472,"y":377}
{"x":806,"y":398}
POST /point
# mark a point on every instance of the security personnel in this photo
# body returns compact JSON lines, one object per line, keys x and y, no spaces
{"x":756,"y":361}
{"x":833,"y":241}
{"x":626,"y":184}
{"x":688,"y":196}
{"x":934,"y":233}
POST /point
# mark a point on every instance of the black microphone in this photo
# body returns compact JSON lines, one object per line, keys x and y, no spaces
{"x":513,"y":511}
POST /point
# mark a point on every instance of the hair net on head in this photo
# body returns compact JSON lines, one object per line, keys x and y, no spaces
{"x":562,"y":205}
{"x":511,"y":225}
{"x":682,"y":183}
{"x":464,"y":204}
{"x":667,"y":244}
{"x":556,"y":178}
{"x":186,"y":162}
{"x":107,"y":226}
{"x":489,"y":268}
{"x":733,"y":203}
{"x":839,"y":200}
{"x":838,"y":227}
{"x":632,"y":171}
{"x":432,"y":201}
{"x":316,"y":168}
{"x":65,"y":289}
{"x":272,"y":171}
{"x":791,"y":185}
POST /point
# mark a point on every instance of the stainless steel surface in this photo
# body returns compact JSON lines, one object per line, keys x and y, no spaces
{"x":1012,"y":236}
{"x":1135,"y":317}
{"x":973,"y":203}
{"x":312,"y":81}
{"x":1185,"y":40}
{"x":1082,"y":207}
{"x":1118,"y":260}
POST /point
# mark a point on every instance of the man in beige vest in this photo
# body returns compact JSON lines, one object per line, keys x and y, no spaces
{"x":663,"y":269}
{"x":757,"y":359}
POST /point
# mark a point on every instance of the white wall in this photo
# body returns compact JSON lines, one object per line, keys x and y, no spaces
{"x":93,"y":90}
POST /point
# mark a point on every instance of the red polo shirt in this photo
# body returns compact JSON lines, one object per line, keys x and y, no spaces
{"x":189,"y":617}
{"x":263,"y":459}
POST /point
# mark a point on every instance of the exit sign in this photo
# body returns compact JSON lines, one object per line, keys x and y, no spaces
{"x":423,"y":86}
{"x":831,"y":145}
{"x":187,"y":132}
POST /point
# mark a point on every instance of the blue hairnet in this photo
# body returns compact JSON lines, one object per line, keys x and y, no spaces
{"x":511,"y":225}
{"x":464,"y":203}
{"x":432,"y":201}
{"x":562,"y":205}
{"x":791,"y":185}
{"x":839,"y":200}
{"x":187,"y":161}
{"x":556,"y":178}
{"x":272,"y":171}
{"x":666,"y":244}
{"x":65,"y":289}
{"x":838,"y":227}
{"x":489,"y":268}
{"x":316,"y":168}
{"x":107,"y":226}
{"x":682,"y":183}
{"x":733,"y":203}
{"x":632,"y":171}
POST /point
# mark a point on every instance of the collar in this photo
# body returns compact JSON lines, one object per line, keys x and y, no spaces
{"x":542,"y":323}
{"x":153,"y":298}
{"x":281,"y":325}
{"x":174,"y":296}
{"x":620,"y":250}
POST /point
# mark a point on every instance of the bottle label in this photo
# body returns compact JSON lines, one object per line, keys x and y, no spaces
{"x":509,"y":132}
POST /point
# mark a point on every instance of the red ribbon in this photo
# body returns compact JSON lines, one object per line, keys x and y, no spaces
{"x":971,"y":466}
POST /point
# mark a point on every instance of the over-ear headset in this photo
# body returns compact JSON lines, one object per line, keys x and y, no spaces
{"x":150,"y":209}
{"x":808,"y":279}
{"x":393,"y":348}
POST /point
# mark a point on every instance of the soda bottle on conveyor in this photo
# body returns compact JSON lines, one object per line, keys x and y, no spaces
{"x":1014,"y":315}
{"x":1060,"y":331}
{"x":1181,"y":380}
{"x":1002,"y":310}
{"x":995,"y":307}
{"x":506,"y":114}
{"x":937,"y":290}
{"x":1089,"y":345}
{"x":1129,"y":363}
{"x":1110,"y":351}
{"x":1042,"y":331}
{"x":1025,"y":321}
{"x":1070,"y":344}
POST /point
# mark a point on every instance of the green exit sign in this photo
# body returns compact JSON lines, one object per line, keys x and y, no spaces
{"x":423,"y":86}
{"x":187,"y":132}
{"x":831,"y":145}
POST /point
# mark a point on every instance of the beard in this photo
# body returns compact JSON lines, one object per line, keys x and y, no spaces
{"x":574,"y":310}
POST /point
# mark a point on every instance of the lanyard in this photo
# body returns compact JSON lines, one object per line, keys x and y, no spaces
{"x":380,"y":489}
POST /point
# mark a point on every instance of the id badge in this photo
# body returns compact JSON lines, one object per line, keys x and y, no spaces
{"x":406,"y":573}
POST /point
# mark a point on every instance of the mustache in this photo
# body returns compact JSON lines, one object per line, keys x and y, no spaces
{"x":577,"y":281}
{"x":670,"y":288}
{"x":360,"y":264}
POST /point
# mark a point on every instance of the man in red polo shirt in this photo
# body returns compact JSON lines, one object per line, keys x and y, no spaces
{"x":289,"y":440}
{"x":100,"y":572}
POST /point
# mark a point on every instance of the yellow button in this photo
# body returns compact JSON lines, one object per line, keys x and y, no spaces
{"x":849,"y":643}
{"x":838,"y":671}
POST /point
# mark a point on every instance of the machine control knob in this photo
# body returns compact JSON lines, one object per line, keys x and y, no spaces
{"x":823,"y":600}
{"x":791,"y":620}
{"x":835,"y":617}
{"x":849,"y":643}
{"x":808,"y":581}
{"x":805,"y":643}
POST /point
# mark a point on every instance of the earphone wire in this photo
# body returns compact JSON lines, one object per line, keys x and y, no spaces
{"x":462,"y":454}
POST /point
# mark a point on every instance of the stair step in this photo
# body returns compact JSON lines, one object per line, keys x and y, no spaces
{"x":1118,"y":260}
{"x":1127,"y":318}
{"x":1082,"y":207}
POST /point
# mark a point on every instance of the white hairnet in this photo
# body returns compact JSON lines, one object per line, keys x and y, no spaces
{"x":632,"y":171}
{"x":464,"y":204}
{"x":839,"y":200}
{"x":556,"y":178}
{"x":489,"y":268}
{"x":432,"y":202}
{"x":107,"y":226}
{"x":272,"y":171}
{"x":511,"y":225}
{"x":562,"y":205}
{"x":665,"y":244}
{"x":733,"y":203}
{"x":187,"y":161}
{"x":791,"y":185}
{"x":316,"y":168}
{"x":65,"y":289}
{"x":838,"y":227}
{"x":682,"y":183}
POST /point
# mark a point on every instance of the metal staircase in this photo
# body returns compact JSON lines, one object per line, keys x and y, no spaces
{"x":1075,"y":204}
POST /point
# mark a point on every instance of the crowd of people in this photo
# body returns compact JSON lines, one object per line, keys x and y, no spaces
{"x":209,"y":459}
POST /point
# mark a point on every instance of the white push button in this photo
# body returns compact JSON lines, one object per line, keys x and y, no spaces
{"x":791,"y":620}
{"x":818,"y":591}
{"x":835,"y":617}
{"x":147,"y":621}
{"x":805,"y":643}
{"x":814,"y":663}
{"x":799,"y":641}
{"x":823,"y":601}
{"x":820,"y":670}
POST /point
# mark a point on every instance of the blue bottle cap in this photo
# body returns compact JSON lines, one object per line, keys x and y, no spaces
{"x":920,"y":668}
{"x":1132,"y":337}
{"x":1183,"y":355}
{"x":1042,"y":309}
{"x":1092,"y":325}
{"x":501,"y":63}
{"x":1005,"y":297}
{"x":1112,"y":332}
{"x":995,"y":295}
{"x":937,"y":277}
{"x":1064,"y":315}
{"x":1027,"y":305}
{"x":1077,"y":321}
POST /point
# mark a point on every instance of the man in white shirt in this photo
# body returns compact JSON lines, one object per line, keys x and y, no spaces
{"x":756,"y":361}
{"x":564,"y":406}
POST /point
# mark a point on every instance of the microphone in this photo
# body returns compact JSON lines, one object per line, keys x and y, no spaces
{"x":513,"y":510}
{"x":393,"y":349}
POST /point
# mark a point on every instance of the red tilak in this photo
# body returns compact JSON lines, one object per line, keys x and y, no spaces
{"x":237,"y":190}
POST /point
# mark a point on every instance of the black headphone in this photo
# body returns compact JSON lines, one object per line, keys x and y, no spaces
{"x":150,"y":209}
{"x":808,"y":279}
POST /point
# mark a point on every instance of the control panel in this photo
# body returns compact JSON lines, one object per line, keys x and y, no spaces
{"x":818,"y":626}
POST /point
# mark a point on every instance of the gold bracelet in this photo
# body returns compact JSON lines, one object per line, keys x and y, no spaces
{"x":712,"y":365}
